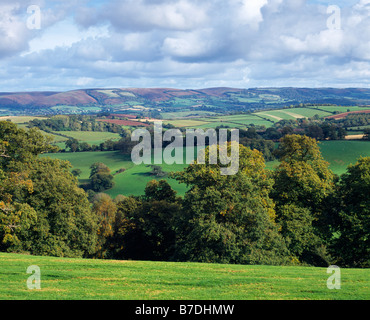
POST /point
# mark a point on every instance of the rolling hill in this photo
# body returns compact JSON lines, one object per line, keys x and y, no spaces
{"x":220,"y":100}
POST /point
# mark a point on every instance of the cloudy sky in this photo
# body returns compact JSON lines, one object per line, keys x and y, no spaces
{"x":69,"y":44}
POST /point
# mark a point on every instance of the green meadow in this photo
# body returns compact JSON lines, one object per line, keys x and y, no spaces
{"x":84,"y":279}
{"x":91,"y":137}
{"x":340,"y":154}
{"x":130,"y":182}
{"x":261,"y":118}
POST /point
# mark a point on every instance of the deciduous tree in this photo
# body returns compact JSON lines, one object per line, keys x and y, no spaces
{"x":229,"y":219}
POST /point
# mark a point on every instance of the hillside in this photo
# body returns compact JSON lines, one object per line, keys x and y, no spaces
{"x":84,"y":279}
{"x":218,"y":100}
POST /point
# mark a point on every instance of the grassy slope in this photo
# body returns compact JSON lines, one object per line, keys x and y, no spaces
{"x":64,"y":278}
{"x":132,"y":181}
{"x":273,"y":115}
{"x":339,"y":154}
{"x":89,"y":136}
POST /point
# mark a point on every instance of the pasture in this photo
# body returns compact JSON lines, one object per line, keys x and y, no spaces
{"x":261,"y":118}
{"x":20,"y":119}
{"x":292,"y":114}
{"x":91,"y":137}
{"x":85,"y":279}
{"x":340,"y":154}
{"x":130,"y":182}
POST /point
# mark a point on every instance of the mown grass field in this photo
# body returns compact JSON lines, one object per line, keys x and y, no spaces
{"x":84,"y":279}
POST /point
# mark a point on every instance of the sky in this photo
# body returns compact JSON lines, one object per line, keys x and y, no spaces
{"x":59,"y":45}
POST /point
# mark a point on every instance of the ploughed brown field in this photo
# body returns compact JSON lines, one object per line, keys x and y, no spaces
{"x":345,"y":114}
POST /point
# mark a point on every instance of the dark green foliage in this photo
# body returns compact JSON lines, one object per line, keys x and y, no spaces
{"x":100,"y":177}
{"x":75,"y":123}
{"x":352,"y":245}
{"x":291,"y":215}
{"x":65,"y":225}
{"x":229,"y":219}
{"x":367,"y":134}
{"x":157,"y":171}
{"x":146,"y":228}
{"x":55,"y":214}
{"x":303,"y":185}
{"x":298,"y":231}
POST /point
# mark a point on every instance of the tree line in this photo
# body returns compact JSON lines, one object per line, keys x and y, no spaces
{"x":300,"y":213}
{"x":74,"y":123}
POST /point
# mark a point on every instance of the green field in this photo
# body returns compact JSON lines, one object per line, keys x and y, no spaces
{"x":73,"y":109}
{"x":234,"y":121}
{"x":183,"y":114}
{"x":340,"y":154}
{"x":84,"y":279}
{"x":94,"y":279}
{"x":292,"y":114}
{"x":91,"y":137}
{"x":130,"y":182}
{"x":181,"y":123}
{"x":20,"y":119}
{"x":340,"y":109}
{"x":214,"y":124}
{"x":262,"y":118}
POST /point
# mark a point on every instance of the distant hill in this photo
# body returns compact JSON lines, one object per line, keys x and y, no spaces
{"x":169,"y":99}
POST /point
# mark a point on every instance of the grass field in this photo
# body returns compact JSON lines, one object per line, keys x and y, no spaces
{"x":181,"y":123}
{"x":262,"y":118}
{"x":130,"y":182}
{"x":182,"y":114}
{"x":339,"y":154}
{"x":83,"y":279}
{"x":292,"y":114}
{"x":340,"y":108}
{"x":234,"y":121}
{"x":20,"y":119}
{"x":73,"y":109}
{"x":91,"y":137}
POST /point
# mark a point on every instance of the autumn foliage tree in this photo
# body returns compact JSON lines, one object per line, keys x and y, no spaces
{"x":229,"y":218}
{"x":105,"y":209}
{"x":303,"y":183}
{"x":43,"y":211}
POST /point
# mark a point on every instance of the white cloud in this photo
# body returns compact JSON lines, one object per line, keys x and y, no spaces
{"x":190,"y":45}
{"x":326,"y":42}
{"x":149,"y":15}
{"x":250,"y":12}
{"x":183,"y":43}
{"x":13,"y":30}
